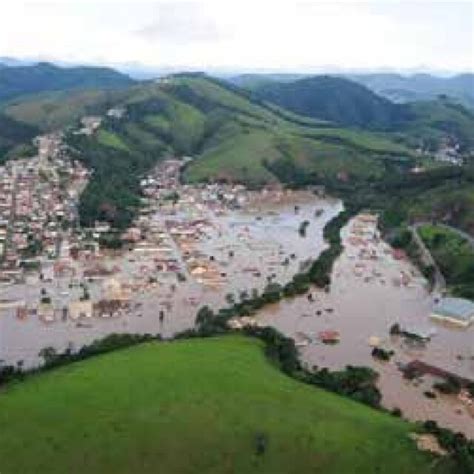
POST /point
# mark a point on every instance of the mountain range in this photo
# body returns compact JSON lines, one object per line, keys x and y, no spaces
{"x":18,"y":80}
{"x":395,"y":87}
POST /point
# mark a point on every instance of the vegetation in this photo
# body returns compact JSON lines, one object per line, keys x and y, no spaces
{"x":455,"y":257}
{"x":381,"y":353}
{"x":335,"y":99}
{"x":403,"y":238}
{"x":49,"y":111}
{"x":14,"y":134}
{"x":461,"y":449}
{"x":88,"y":417}
{"x":318,"y":273}
{"x":235,"y":138}
{"x":20,"y":80}
{"x":426,"y":124}
{"x":419,"y":87}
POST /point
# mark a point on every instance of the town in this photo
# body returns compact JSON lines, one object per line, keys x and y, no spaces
{"x":211,"y":244}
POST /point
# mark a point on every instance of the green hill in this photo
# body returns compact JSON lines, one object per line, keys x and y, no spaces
{"x":231,"y":136}
{"x":419,"y":87}
{"x":426,"y":123}
{"x":54,"y":110}
{"x":193,"y":406}
{"x":335,"y":99}
{"x":433,"y":120}
{"x":21,"y":80}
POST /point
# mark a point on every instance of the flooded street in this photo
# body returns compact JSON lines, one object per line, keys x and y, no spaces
{"x":193,"y":255}
{"x":370,"y":291}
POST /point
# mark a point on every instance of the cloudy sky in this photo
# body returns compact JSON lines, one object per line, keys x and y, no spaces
{"x":239,"y":34}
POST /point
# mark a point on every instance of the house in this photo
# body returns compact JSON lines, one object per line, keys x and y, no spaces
{"x":458,"y":311}
{"x":80,"y":309}
{"x":329,"y":337}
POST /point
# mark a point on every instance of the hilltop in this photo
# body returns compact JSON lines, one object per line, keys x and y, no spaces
{"x":194,"y":406}
{"x":335,"y":99}
{"x":17,"y":81}
{"x":419,"y":87}
{"x":397,"y":88}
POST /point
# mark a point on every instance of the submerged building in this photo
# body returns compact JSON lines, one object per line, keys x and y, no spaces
{"x":458,"y":311}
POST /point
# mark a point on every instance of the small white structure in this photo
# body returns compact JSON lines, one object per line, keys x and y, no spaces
{"x":458,"y":311}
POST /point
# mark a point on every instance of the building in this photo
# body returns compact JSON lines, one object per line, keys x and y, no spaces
{"x":458,"y":311}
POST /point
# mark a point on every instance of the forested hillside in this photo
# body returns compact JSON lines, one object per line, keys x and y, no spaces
{"x":337,"y":100}
{"x":13,"y":134}
{"x":20,"y":80}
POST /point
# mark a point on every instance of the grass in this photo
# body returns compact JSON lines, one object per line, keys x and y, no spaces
{"x":110,"y":139}
{"x":238,"y":158}
{"x":53,"y":110}
{"x":451,"y":202}
{"x":327,"y":159}
{"x":193,"y":406}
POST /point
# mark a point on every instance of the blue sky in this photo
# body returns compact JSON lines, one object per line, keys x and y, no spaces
{"x":239,"y":34}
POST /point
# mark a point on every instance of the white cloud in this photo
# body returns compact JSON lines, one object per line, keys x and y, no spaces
{"x":278,"y":34}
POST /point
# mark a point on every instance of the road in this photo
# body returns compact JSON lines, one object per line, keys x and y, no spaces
{"x":440,"y":282}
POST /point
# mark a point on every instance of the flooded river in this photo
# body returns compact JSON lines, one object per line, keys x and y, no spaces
{"x":370,"y":291}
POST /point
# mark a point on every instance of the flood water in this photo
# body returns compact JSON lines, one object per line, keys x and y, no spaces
{"x":238,"y":249}
{"x":370,"y":291}
{"x":222,"y":251}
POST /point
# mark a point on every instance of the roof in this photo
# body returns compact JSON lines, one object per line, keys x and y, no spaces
{"x":457,"y":308}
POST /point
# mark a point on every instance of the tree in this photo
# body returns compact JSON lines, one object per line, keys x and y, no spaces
{"x":204,"y":316}
{"x":48,"y":354}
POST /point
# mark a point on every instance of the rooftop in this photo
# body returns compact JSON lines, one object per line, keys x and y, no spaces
{"x":457,"y":308}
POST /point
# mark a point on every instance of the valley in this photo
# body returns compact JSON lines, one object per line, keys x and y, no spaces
{"x":164,"y":204}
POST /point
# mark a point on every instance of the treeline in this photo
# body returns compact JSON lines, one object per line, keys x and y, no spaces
{"x":53,"y":359}
{"x":402,"y":238}
{"x":113,"y":192}
{"x":318,"y":274}
{"x":459,"y":448}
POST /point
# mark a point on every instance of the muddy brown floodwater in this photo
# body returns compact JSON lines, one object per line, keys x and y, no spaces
{"x":370,"y":291}
{"x":235,"y":251}
{"x":263,"y":238}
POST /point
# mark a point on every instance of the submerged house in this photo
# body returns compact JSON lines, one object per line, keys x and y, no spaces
{"x":457,"y":311}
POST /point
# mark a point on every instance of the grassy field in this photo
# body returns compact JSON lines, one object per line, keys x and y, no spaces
{"x":240,"y":158}
{"x":53,"y":110}
{"x":454,"y":256}
{"x":110,"y":139}
{"x":192,"y":407}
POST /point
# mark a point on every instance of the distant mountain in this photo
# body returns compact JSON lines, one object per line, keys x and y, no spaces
{"x":20,"y":80}
{"x":255,"y":81}
{"x":334,"y":99}
{"x":7,"y":61}
{"x":418,"y":87}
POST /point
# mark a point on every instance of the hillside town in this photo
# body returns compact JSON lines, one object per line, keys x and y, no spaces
{"x":38,"y":204}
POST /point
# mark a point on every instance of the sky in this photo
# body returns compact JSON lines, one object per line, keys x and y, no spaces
{"x":286,"y":35}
